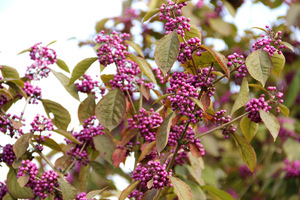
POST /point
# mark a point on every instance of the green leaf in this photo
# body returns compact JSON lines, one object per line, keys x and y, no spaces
{"x":182,"y":1}
{"x":111,"y":109}
{"x":220,"y":58}
{"x":23,"y":180}
{"x":150,"y":14}
{"x":135,"y":46}
{"x":293,"y":90}
{"x":64,"y":80}
{"x":242,"y":98}
{"x":257,"y":86}
{"x":285,"y":110}
{"x":68,"y":135}
{"x":9,"y":72}
{"x":271,"y":123}
{"x":49,"y":143}
{"x":81,"y":68}
{"x":61,"y":64}
{"x":288,"y":45}
{"x":51,"y":42}
{"x":7,"y":196}
{"x":219,"y":194}
{"x":25,"y":50}
{"x":146,"y":150}
{"x":262,"y":29}
{"x":106,"y":78}
{"x":105,"y":146}
{"x":161,"y":98}
{"x":101,"y":25}
{"x":249,"y":128}
{"x":194,"y":32}
{"x":197,"y":165}
{"x":22,"y":144}
{"x":220,"y":26}
{"x":166,"y":51}
{"x":162,"y":135}
{"x":98,"y":168}
{"x":181,"y":189}
{"x":68,"y":191}
{"x":93,"y":193}
{"x":129,"y":189}
{"x":246,"y":151}
{"x":14,"y":189}
{"x":83,"y":177}
{"x":291,"y":149}
{"x":230,"y":8}
{"x":61,"y":118}
{"x":198,"y":102}
{"x":278,"y":61}
{"x":145,"y":67}
{"x":259,"y":65}
{"x":86,"y":108}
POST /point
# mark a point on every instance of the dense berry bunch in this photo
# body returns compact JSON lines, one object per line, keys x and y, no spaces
{"x":221,"y":119}
{"x":179,"y":23}
{"x":42,"y":56}
{"x":205,"y":80}
{"x":146,"y":122}
{"x":152,"y":171}
{"x":182,"y":88}
{"x":124,"y":78}
{"x":187,"y":49}
{"x":284,"y":132}
{"x":86,"y":84}
{"x":8,"y":156}
{"x":112,"y":49}
{"x":181,"y":157}
{"x":81,"y":196}
{"x":90,"y":129}
{"x":45,"y":186}
{"x":34,"y":93}
{"x":41,"y":123}
{"x":8,"y":125}
{"x":275,"y":97}
{"x":244,"y":171}
{"x":159,"y":75}
{"x":3,"y":100}
{"x":3,"y":190}
{"x":267,"y":44}
{"x":28,"y":168}
{"x":238,"y":61}
{"x":292,"y":168}
{"x":254,"y":105}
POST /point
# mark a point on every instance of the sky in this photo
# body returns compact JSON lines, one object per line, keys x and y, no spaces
{"x":24,"y":23}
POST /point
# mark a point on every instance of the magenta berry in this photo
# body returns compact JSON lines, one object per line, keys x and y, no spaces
{"x":221,"y":119}
{"x":292,"y":168}
{"x":86,"y":84}
{"x":254,"y":105}
{"x":3,"y":190}
{"x":34,"y":93}
{"x":8,"y":156}
{"x":187,"y":49}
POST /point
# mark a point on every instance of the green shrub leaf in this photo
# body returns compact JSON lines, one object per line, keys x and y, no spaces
{"x":249,"y":128}
{"x":243,"y":96}
{"x":86,"y":108}
{"x":81,"y":68}
{"x":271,"y":123}
{"x":181,"y":189}
{"x":162,"y":135}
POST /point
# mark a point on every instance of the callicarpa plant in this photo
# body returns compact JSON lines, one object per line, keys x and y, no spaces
{"x":171,"y":104}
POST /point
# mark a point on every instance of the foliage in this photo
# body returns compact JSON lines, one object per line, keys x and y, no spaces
{"x":165,"y":107}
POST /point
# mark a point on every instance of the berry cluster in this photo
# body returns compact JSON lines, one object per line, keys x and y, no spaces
{"x":179,"y":23}
{"x":7,"y":125}
{"x":267,"y":44}
{"x":43,"y":57}
{"x":154,"y":172}
{"x":182,"y":88}
{"x":34,"y":93}
{"x":238,"y":61}
{"x":275,"y":97}
{"x":146,"y":122}
{"x":3,"y":100}
{"x":28,"y":168}
{"x":41,"y":123}
{"x":187,"y":49}
{"x":244,"y":171}
{"x":254,"y":105}
{"x":292,"y":168}
{"x":159,"y":75}
{"x":45,"y":186}
{"x":206,"y":80}
{"x":8,"y":156}
{"x":90,"y":129}
{"x":221,"y":119}
{"x":81,"y":196}
{"x":3,"y":190}
{"x":112,"y":49}
{"x":86,"y":84}
{"x":284,"y":133}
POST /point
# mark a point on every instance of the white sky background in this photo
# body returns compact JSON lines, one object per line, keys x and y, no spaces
{"x":24,"y":23}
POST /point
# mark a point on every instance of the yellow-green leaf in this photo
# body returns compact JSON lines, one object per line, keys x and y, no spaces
{"x":278,"y":63}
{"x":81,"y":68}
{"x":162,"y":135}
{"x":105,"y":146}
{"x":219,"y":194}
{"x":68,"y":191}
{"x":259,"y":65}
{"x":9,"y":72}
{"x":271,"y":123}
{"x":129,"y":189}
{"x":249,"y":128}
{"x":61,"y":64}
{"x":86,"y":108}
{"x":150,"y":14}
{"x":285,"y":110}
{"x":22,"y":144}
{"x":135,"y":46}
{"x":242,"y":98}
{"x":181,"y":189}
